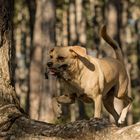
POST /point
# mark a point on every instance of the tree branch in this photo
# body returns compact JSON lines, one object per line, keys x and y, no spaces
{"x":15,"y":124}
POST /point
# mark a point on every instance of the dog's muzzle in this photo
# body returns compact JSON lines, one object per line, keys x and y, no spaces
{"x":55,"y":70}
{"x":49,"y":64}
{"x":63,"y":67}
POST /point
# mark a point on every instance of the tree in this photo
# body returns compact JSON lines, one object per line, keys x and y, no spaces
{"x":41,"y":90}
{"x":23,"y":45}
{"x":8,"y":98}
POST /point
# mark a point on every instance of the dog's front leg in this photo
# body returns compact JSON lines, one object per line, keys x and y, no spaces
{"x":57,"y":107}
{"x":58,"y":101}
{"x":98,"y":106}
{"x":66,"y":99}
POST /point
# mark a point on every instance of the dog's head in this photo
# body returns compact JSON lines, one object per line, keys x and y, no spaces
{"x":63,"y":58}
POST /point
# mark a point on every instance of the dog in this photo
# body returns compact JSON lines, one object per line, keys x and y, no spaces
{"x":92,"y":79}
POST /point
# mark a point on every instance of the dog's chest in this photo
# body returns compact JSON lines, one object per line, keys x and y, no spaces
{"x":89,"y":84}
{"x":80,"y":88}
{"x":72,"y":86}
{"x":84,"y":83}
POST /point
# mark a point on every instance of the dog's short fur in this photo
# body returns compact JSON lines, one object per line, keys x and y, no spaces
{"x":92,"y":79}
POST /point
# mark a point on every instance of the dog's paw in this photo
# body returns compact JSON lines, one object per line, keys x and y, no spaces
{"x":97,"y":119}
{"x":121,"y":123}
{"x":64,"y":99}
{"x":57,"y":108}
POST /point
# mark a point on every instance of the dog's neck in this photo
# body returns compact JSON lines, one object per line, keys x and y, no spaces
{"x":76,"y":70}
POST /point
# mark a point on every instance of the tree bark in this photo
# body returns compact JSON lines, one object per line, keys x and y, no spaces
{"x":9,"y":103}
{"x":24,"y":128}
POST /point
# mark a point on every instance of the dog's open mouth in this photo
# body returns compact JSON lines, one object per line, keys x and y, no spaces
{"x":57,"y":72}
{"x":53,"y":71}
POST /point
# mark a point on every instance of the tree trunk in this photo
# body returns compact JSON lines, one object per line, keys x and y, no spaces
{"x":9,"y":103}
{"x":72,"y":24}
{"x":65,"y":26}
{"x":98,"y":20}
{"x":31,"y":4}
{"x":49,"y":87}
{"x":80,"y":23}
{"x":42,"y":90}
{"x":22,"y":45}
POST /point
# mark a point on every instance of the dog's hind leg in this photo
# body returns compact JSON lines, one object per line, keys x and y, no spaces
{"x":108,"y":102}
{"x":127,"y":102}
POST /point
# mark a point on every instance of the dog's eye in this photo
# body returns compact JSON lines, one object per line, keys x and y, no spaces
{"x":60,"y":58}
{"x":51,"y":56}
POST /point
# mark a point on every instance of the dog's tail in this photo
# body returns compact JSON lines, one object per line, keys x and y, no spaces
{"x":112,"y":43}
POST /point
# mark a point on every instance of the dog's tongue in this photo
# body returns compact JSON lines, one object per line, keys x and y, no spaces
{"x":52,"y":71}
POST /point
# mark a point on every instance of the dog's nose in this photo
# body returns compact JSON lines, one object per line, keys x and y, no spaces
{"x":49,"y":64}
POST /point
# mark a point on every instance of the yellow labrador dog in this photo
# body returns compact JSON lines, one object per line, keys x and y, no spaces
{"x":92,"y":79}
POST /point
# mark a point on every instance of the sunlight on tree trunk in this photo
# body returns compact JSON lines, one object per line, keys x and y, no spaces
{"x":35,"y":70}
{"x":72,"y":24}
{"x":65,"y":26}
{"x":22,"y":45}
{"x":48,"y":41}
{"x":80,"y":22}
{"x":42,"y":90}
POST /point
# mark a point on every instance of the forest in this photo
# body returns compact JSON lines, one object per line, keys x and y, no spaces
{"x":29,"y":29}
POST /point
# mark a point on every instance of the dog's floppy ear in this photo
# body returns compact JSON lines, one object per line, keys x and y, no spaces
{"x":78,"y":50}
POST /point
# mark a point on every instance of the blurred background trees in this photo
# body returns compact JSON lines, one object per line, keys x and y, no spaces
{"x":42,"y":24}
